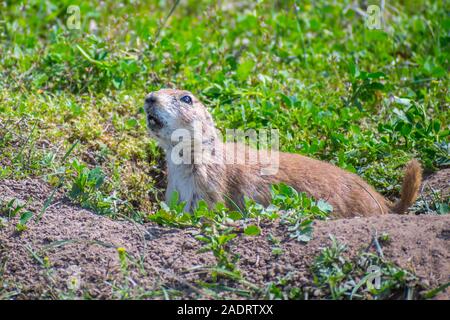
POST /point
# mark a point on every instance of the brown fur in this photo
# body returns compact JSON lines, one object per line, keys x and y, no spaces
{"x":216,"y":181}
{"x":410,"y":187}
{"x":348,"y":194}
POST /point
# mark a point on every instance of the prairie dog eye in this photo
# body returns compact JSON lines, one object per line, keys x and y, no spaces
{"x":186,"y":99}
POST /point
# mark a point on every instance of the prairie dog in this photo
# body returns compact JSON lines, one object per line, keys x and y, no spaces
{"x":213,"y":179}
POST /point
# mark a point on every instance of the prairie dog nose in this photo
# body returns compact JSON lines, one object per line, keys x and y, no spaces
{"x":150,"y":99}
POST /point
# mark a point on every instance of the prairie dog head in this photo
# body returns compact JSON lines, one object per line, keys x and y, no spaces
{"x":168,"y":110}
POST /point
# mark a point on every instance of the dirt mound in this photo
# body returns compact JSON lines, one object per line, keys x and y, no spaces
{"x":73,"y":252}
{"x":439,"y":180}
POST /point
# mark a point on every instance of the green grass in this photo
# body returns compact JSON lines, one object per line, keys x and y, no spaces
{"x":342,"y":278}
{"x":12,"y":208}
{"x":366,"y":100}
{"x":71,"y":101}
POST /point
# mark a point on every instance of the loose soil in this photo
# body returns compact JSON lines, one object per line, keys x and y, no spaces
{"x":74,"y":248}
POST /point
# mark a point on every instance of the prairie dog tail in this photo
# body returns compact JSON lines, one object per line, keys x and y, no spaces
{"x":410,"y":186}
